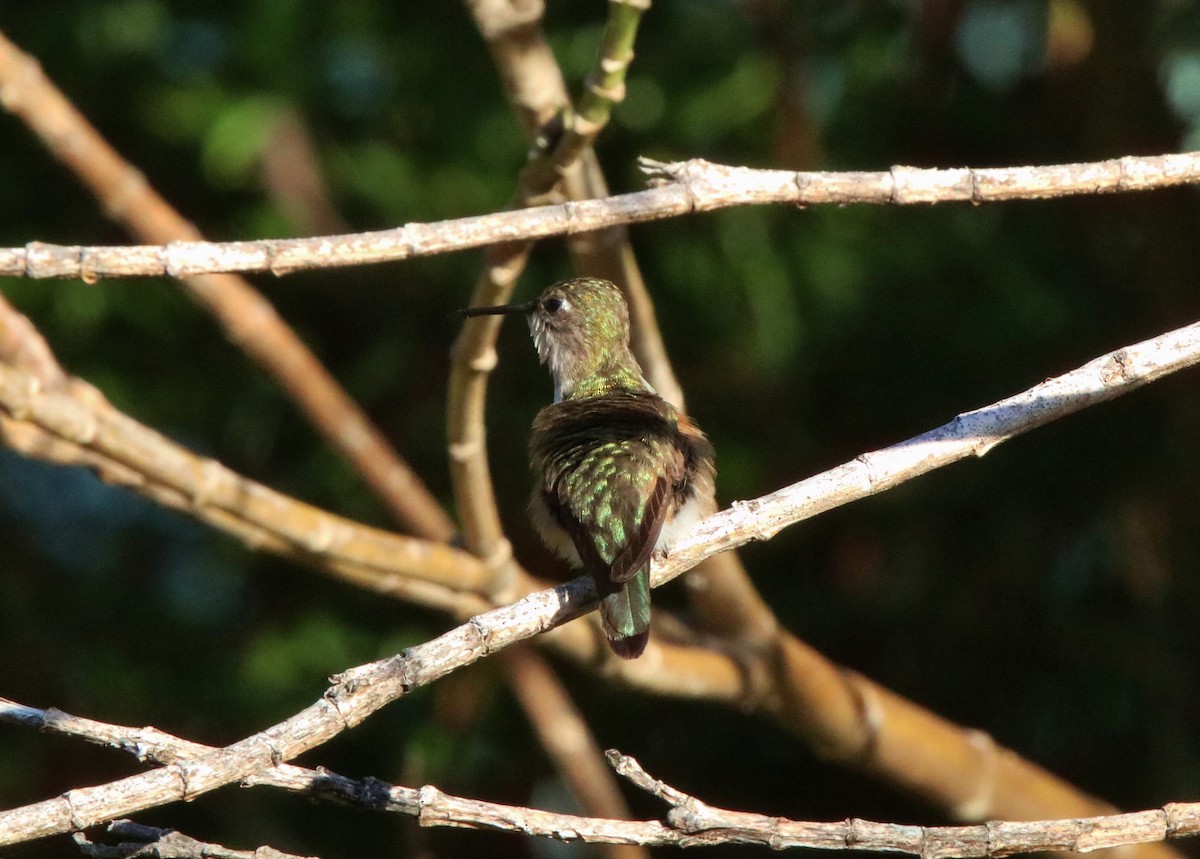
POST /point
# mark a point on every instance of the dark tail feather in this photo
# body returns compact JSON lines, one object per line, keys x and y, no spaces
{"x":626,"y":616}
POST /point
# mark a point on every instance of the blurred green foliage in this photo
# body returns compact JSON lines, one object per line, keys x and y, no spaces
{"x":1047,"y":593}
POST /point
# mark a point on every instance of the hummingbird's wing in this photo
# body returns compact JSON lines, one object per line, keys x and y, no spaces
{"x":610,"y":467}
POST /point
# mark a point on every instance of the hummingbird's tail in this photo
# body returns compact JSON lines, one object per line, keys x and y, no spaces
{"x":626,"y":616}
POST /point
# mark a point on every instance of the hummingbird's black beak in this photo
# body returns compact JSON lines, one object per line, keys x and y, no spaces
{"x":498,"y":309}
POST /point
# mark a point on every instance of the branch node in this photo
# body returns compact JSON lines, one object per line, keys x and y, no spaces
{"x":204,"y":488}
{"x":463,"y":451}
{"x":484,"y":631}
{"x":1116,"y":369}
{"x":172,"y":266}
{"x":978,"y":805}
{"x":77,"y":822}
{"x":183,"y":769}
{"x":319,"y":539}
{"x":272,"y":749}
{"x":22,"y":409}
{"x":46,"y":261}
{"x":484,"y":361}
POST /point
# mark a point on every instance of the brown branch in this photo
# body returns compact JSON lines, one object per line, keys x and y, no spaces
{"x":688,"y":187}
{"x":249,"y":320}
{"x":128,"y":453}
{"x":154,"y":843}
{"x":428,"y":574}
{"x":529,"y":70}
{"x":690,"y":822}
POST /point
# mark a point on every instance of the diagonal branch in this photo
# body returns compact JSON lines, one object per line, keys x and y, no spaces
{"x":249,"y":320}
{"x":687,"y":187}
{"x":127,"y":452}
{"x":70,"y":423}
{"x":354,"y":695}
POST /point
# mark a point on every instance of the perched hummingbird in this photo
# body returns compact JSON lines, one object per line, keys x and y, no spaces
{"x":618,"y":471}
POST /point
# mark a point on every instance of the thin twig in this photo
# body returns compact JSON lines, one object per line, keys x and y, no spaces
{"x":688,"y":187}
{"x":151,"y":842}
{"x":700,"y":824}
{"x":249,"y":320}
{"x":354,"y":695}
{"x":604,"y":88}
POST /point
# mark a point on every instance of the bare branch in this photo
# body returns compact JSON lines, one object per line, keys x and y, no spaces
{"x":604,"y":88}
{"x":249,"y":320}
{"x":690,"y":823}
{"x":689,"y":186}
{"x":970,"y":434}
{"x":700,"y":823}
{"x":169,"y":473}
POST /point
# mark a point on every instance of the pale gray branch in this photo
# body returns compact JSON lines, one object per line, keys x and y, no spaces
{"x":701,"y":824}
{"x":690,"y":822}
{"x":681,"y":188}
{"x":970,"y":434}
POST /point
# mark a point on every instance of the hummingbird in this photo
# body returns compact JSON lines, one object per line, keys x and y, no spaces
{"x":618,"y":472}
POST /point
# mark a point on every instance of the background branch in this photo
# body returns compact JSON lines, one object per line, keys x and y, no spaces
{"x":248,"y":319}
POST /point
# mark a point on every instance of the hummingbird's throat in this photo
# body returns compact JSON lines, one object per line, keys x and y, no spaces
{"x":593,"y":376}
{"x":583,"y":364}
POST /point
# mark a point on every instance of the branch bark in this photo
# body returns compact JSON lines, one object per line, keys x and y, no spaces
{"x":690,"y":822}
{"x":685,"y":188}
{"x":151,"y":842}
{"x":130,"y":453}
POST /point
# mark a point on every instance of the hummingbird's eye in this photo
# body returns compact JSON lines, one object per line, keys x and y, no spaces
{"x":553,"y":305}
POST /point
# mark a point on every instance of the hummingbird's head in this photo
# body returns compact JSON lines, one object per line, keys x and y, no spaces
{"x":581,"y":330}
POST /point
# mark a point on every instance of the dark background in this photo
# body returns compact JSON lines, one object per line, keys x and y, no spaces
{"x":1046,"y":593}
